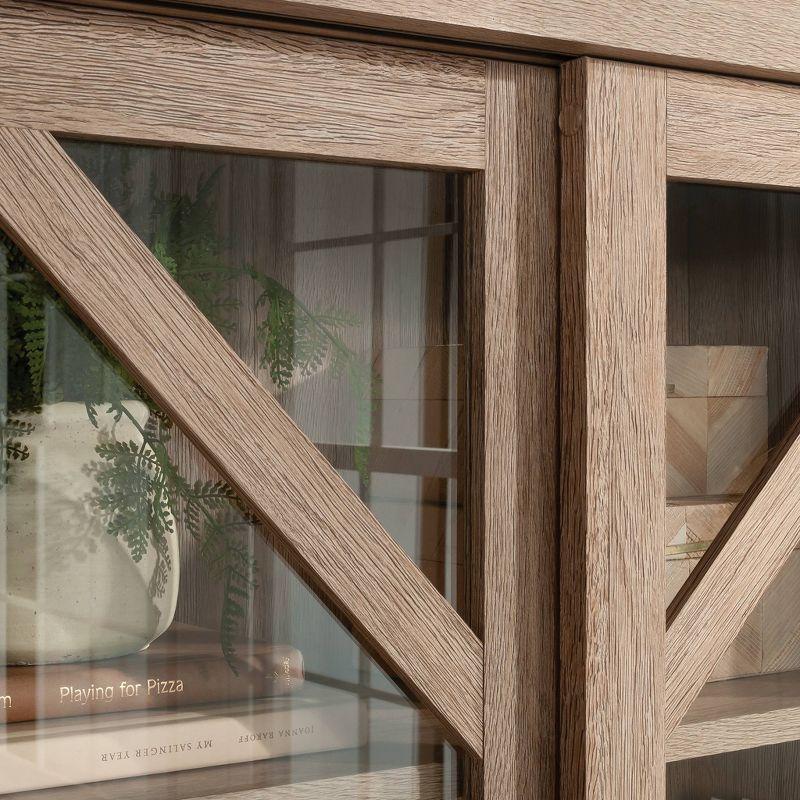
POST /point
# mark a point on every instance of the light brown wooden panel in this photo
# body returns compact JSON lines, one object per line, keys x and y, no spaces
{"x":110,"y":278}
{"x":422,"y":783}
{"x":728,"y":130}
{"x":781,"y":626}
{"x":613,"y":318}
{"x":516,"y":429}
{"x":733,"y":36}
{"x":98,"y":73}
{"x":724,"y":588}
{"x":274,"y":22}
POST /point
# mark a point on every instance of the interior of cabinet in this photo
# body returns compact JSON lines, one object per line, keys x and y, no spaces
{"x":734,"y":279}
{"x":733,"y":257}
{"x":285,"y":218}
{"x":382,"y":245}
{"x":366,"y":242}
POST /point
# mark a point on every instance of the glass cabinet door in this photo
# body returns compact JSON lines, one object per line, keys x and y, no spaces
{"x":160,"y":634}
{"x":272,"y":394}
{"x":339,"y":285}
{"x":680,"y":449}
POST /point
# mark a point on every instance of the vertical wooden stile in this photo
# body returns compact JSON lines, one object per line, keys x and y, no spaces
{"x":512,"y":298}
{"x":613,"y":120}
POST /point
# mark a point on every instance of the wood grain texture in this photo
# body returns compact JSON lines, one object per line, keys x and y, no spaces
{"x":744,"y":656}
{"x":733,"y":36}
{"x":737,"y":442}
{"x":687,"y":372}
{"x":472,"y":464}
{"x":737,"y":371}
{"x":707,"y":614}
{"x":687,"y":446}
{"x":517,"y":288}
{"x":727,"y":130}
{"x":740,"y":714}
{"x":717,"y":419}
{"x":769,"y":641}
{"x":114,"y":283}
{"x":253,"y":19}
{"x":208,"y":85}
{"x":613,"y":119}
{"x":679,"y":218}
{"x":703,"y":371}
{"x":692,"y":525}
{"x":421,"y":783}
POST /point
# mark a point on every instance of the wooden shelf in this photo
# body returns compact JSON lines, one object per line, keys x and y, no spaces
{"x":739,"y":714}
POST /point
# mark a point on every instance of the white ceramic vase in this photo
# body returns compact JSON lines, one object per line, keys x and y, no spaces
{"x":69,"y":590}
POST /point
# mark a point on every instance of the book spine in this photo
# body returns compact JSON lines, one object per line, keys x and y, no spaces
{"x":51,"y":759}
{"x":29,"y":693}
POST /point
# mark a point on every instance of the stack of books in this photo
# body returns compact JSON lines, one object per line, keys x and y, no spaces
{"x":176,"y":706}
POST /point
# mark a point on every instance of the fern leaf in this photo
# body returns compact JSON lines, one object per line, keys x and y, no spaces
{"x":238,"y":586}
{"x":17,"y":451}
{"x":18,"y":427}
{"x":160,"y":251}
{"x":91,"y":413}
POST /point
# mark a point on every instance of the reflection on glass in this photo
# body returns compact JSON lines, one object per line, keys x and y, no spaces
{"x":338,"y":285}
{"x":733,"y":391}
{"x":148,"y":627}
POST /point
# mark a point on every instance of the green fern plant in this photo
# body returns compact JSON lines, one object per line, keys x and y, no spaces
{"x":139,"y":489}
{"x":314,"y":342}
{"x":293,"y":338}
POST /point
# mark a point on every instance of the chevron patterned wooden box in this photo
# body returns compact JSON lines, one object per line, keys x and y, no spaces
{"x":717,"y":419}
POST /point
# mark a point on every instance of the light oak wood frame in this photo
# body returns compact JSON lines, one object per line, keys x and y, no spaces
{"x":724,"y":36}
{"x":96,"y":73}
{"x":613,"y":302}
{"x":77,"y":240}
{"x":736,"y":132}
{"x":50,"y":55}
{"x":513,"y":295}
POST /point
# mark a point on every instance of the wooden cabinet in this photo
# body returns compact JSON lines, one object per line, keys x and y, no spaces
{"x":469,"y":373}
{"x":322,"y":272}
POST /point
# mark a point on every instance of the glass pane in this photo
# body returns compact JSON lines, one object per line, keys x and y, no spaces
{"x":338,"y":284}
{"x":150,"y":633}
{"x":733,"y":390}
